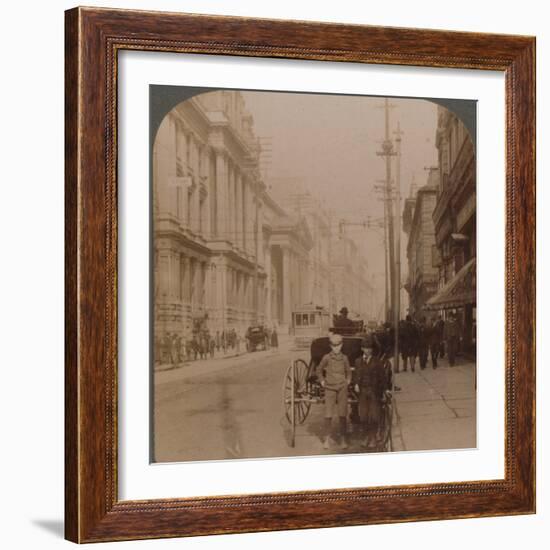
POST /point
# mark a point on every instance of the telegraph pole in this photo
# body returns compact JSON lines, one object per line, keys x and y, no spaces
{"x":387,"y":152}
{"x":256,"y":298}
{"x":397,"y":313}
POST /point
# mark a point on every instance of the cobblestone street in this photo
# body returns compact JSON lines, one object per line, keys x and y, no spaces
{"x":231,"y":407}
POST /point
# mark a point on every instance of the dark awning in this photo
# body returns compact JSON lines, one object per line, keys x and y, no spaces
{"x":458,"y":292}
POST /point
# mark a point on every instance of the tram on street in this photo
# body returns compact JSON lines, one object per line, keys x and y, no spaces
{"x":308,"y":323}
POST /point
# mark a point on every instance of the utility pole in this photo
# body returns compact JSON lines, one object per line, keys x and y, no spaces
{"x":386,"y":264}
{"x":256,"y":304}
{"x":397,"y":313}
{"x":387,"y":152}
{"x":382,"y":188}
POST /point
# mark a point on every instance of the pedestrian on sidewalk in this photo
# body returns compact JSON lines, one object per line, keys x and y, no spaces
{"x":435,"y":338}
{"x":178,"y":352}
{"x":274,"y":338}
{"x":173,"y":349}
{"x":212,"y":346}
{"x":440,"y":327}
{"x":452,"y":335}
{"x":403,"y":344}
{"x":370,"y":380}
{"x":335,"y":375}
{"x":423,"y":342}
{"x":412,"y":333}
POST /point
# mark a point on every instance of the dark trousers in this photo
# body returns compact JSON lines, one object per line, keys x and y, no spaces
{"x":423,"y":356}
{"x":452,"y":345}
{"x":435,"y":350}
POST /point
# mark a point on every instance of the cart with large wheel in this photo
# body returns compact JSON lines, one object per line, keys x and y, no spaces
{"x":301,"y":390}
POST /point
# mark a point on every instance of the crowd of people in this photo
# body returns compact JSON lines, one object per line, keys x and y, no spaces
{"x":428,"y":339}
{"x":172,"y":349}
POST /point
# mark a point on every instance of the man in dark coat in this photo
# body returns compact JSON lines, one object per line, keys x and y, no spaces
{"x":435,"y":341}
{"x":423,"y":342}
{"x":403,"y":344}
{"x":370,"y":381}
{"x":274,"y":338}
{"x":412,"y":341}
{"x":452,"y":338}
{"x":440,"y":327}
{"x":343,"y":321}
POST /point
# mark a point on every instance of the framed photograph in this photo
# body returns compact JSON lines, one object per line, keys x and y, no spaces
{"x":300,"y":275}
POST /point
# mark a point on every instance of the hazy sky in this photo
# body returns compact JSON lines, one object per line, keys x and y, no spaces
{"x":330,"y":143}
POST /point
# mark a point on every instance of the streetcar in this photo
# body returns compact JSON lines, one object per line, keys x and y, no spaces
{"x":309,"y":322}
{"x":301,"y":391}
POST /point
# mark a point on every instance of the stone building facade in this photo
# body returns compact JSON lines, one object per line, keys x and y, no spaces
{"x":225,"y":253}
{"x":349,"y":282}
{"x":317,"y":270}
{"x":422,"y":256}
{"x":454,"y":219}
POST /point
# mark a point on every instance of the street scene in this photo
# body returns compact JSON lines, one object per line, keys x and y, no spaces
{"x":313,"y":275}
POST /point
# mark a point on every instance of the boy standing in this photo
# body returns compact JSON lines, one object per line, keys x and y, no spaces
{"x":370,"y":379}
{"x":335,"y":375}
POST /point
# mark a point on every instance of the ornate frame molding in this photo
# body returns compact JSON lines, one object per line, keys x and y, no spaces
{"x":93,"y":39}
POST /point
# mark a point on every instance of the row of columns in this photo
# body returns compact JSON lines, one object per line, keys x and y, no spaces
{"x":228,"y":208}
{"x":235,"y":205}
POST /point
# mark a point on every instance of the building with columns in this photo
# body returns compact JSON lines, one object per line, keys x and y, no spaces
{"x":350,"y":286}
{"x":225,"y":253}
{"x":317,"y":269}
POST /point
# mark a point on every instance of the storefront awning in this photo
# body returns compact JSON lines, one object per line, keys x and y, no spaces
{"x":458,"y":292}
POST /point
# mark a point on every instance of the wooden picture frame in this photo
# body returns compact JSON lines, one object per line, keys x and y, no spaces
{"x":93,"y":511}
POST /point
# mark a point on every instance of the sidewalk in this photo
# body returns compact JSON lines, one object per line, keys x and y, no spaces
{"x":188,"y":369}
{"x":436,"y":409}
{"x":217,"y":357}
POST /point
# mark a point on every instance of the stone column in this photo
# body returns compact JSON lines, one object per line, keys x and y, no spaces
{"x":228,"y":205}
{"x":238,"y":210}
{"x":232,"y":204}
{"x":221,"y":194}
{"x":268,"y":314}
{"x":250,"y":218}
{"x":221,"y":275}
{"x":192,"y":287}
{"x":195,"y":212}
{"x":203,"y":282}
{"x":259,"y":240}
{"x":164,"y":275}
{"x":207,"y":207}
{"x":285,"y":317}
{"x":186,"y":294}
{"x":164,"y":154}
{"x":245,"y":193}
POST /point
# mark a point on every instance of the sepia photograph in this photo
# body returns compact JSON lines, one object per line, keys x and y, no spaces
{"x":313,"y":274}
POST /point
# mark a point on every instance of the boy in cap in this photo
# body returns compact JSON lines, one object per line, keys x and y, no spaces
{"x":335,"y":375}
{"x":370,"y":381}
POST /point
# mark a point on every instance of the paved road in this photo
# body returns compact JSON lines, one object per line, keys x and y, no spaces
{"x":232,"y":408}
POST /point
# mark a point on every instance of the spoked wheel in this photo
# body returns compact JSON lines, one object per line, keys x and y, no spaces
{"x":386,"y":443}
{"x":294,"y":392}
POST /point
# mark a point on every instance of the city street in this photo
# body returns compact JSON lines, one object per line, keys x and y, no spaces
{"x":232,"y":408}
